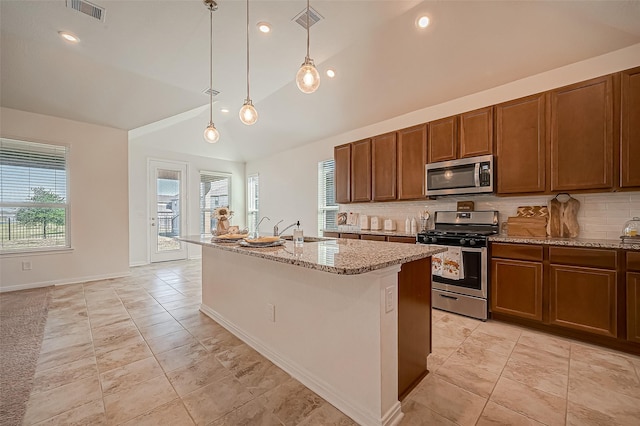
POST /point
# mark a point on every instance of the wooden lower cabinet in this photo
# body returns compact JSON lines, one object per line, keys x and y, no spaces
{"x":414,"y":323}
{"x":583,"y":299}
{"x":633,"y":306}
{"x":408,"y":240}
{"x":373,"y":237}
{"x":350,"y":236}
{"x":516,"y":288}
{"x":330,"y":234}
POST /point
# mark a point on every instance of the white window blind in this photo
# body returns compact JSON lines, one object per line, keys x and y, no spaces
{"x":327,"y":207}
{"x":253,"y":202}
{"x":34,"y":210}
{"x":215,"y":190}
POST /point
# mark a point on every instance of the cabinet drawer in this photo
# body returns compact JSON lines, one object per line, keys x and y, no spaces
{"x":350,"y":236}
{"x":331,"y":234}
{"x":591,"y":258}
{"x":373,"y":237}
{"x":633,"y":260}
{"x":517,"y":251}
{"x":408,"y":240}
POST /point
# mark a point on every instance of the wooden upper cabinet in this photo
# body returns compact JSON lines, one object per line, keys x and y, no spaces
{"x":412,"y":157}
{"x":361,"y":170}
{"x":582,"y":136}
{"x":383,"y":167}
{"x":342,"y":180}
{"x":521,"y":145}
{"x":476,"y":133}
{"x":630,"y":137}
{"x":443,"y":139}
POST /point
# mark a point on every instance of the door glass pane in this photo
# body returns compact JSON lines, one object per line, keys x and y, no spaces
{"x":168,"y":213}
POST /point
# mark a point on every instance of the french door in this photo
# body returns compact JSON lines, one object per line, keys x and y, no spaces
{"x":167,"y":210}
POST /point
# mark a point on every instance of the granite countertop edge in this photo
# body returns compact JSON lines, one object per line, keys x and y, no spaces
{"x":370,"y":232}
{"x":285,"y":254}
{"x":567,"y":242}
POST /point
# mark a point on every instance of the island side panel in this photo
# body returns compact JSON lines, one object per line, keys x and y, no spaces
{"x":414,"y":323}
{"x":331,"y":331}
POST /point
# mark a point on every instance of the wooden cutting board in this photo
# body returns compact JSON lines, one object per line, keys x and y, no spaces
{"x":563,"y":218}
{"x":533,"y":211}
{"x":527,"y":226}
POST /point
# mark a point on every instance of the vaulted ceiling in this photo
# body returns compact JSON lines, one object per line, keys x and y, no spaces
{"x":149,"y":60}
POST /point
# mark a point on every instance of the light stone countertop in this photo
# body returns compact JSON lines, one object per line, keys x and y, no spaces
{"x":567,"y":242}
{"x":335,"y":255}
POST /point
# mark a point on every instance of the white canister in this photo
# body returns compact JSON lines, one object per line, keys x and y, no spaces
{"x":364,"y":222}
{"x":374,"y":223}
{"x":389,"y":225}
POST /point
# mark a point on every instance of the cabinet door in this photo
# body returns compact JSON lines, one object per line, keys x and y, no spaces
{"x":633,"y":306}
{"x":521,"y":145}
{"x":342,"y":158}
{"x":361,"y":170}
{"x":583,"y":299}
{"x":476,"y":133}
{"x":516,"y":288}
{"x":582,"y":136}
{"x":630,"y":111}
{"x":383,"y":167}
{"x":412,"y":157}
{"x":373,"y":237}
{"x":443,"y":139}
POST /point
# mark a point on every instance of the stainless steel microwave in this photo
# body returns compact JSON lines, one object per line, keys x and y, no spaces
{"x":464,"y":176}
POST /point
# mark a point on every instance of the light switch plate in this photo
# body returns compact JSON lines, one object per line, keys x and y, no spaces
{"x":388,"y":299}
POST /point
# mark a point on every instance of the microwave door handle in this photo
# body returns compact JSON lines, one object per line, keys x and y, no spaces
{"x":477,"y":175}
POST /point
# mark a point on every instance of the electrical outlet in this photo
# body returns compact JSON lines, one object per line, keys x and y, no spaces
{"x":271,"y":312}
{"x":26,"y":265}
{"x":388,"y":299}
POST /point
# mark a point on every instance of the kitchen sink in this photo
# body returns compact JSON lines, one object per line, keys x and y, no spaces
{"x":306,"y":239}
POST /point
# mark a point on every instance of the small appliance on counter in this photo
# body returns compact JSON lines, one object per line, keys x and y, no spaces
{"x":631,"y":231}
{"x":374,"y":223}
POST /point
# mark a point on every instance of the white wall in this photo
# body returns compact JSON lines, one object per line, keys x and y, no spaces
{"x":141,"y":149}
{"x":98,"y":203}
{"x":288,"y":180}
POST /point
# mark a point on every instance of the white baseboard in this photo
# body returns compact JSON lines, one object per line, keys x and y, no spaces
{"x":66,"y":281}
{"x":138,"y":263}
{"x":313,"y":382}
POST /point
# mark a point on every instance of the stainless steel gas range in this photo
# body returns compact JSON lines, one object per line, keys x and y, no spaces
{"x":460,"y":277}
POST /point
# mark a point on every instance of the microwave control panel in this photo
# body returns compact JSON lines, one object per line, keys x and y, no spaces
{"x":485,"y":174}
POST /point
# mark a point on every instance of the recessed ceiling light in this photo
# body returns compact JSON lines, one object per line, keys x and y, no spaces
{"x":331,"y":73}
{"x":225,"y":110}
{"x":68,"y":37}
{"x":264,"y":27}
{"x":423,"y":22}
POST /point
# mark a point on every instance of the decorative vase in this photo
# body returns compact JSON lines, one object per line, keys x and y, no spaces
{"x":223,"y":226}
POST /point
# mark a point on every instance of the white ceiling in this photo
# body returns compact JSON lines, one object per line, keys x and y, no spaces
{"x":149,"y":60}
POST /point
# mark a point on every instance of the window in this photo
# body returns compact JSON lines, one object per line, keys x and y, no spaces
{"x":327,"y":207}
{"x":34,"y":211}
{"x":253,"y":203}
{"x":215,"y":190}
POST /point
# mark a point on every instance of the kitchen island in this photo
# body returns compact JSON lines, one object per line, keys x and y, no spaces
{"x":350,"y":319}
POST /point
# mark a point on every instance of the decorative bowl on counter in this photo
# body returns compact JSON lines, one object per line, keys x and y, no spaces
{"x":631,"y":231}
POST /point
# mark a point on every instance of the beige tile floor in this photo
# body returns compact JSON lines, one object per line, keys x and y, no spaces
{"x":136,"y":351}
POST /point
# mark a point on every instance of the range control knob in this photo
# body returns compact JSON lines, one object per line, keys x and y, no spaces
{"x":434,"y":240}
{"x":463,"y":241}
{"x":472,"y":242}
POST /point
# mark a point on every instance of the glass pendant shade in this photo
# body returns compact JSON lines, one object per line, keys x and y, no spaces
{"x":308,"y":77}
{"x":248,"y":114}
{"x":211,"y":134}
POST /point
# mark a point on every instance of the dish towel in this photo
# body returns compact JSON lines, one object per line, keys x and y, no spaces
{"x":436,"y":264}
{"x":452,"y":267}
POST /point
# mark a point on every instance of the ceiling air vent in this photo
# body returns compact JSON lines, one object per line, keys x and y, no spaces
{"x":301,"y":18}
{"x":96,"y":12}
{"x":209,"y":91}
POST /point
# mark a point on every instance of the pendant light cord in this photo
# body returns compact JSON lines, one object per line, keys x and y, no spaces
{"x":307,"y":29}
{"x":210,"y":63}
{"x":248,"y":96}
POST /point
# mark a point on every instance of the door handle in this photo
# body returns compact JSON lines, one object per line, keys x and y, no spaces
{"x":448,"y":297}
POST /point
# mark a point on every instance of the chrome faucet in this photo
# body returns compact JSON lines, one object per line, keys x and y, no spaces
{"x":257,"y":230}
{"x":275,"y":228}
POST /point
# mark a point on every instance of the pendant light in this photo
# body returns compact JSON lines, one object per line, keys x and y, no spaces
{"x":211,"y":134}
{"x":248,"y":114}
{"x":308,"y":78}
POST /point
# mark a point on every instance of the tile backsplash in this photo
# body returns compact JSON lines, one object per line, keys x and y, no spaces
{"x":601,"y":216}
